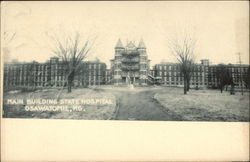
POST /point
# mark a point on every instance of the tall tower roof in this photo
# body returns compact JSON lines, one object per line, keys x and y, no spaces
{"x":141,"y":44}
{"x":119,"y":44}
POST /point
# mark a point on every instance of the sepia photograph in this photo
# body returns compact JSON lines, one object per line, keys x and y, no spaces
{"x":125,"y":81}
{"x":97,"y":61}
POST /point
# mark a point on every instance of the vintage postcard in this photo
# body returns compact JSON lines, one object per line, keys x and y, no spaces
{"x":126,"y":61}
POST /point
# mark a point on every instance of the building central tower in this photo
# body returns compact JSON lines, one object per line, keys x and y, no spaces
{"x":130,"y":64}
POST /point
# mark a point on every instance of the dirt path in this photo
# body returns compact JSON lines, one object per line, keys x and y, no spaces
{"x":140,"y":105}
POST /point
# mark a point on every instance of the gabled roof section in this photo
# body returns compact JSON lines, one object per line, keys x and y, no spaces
{"x":119,"y":44}
{"x":141,"y":44}
{"x":131,"y":45}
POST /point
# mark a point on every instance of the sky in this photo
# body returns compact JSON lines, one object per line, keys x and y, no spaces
{"x":220,"y":27}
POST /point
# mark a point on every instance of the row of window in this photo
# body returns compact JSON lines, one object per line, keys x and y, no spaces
{"x":55,"y":66}
{"x":176,"y":68}
{"x":235,"y":69}
{"x":181,"y":83}
{"x":181,"y":78}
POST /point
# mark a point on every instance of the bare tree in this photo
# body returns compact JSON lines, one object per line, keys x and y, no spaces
{"x":8,"y":38}
{"x":224,"y":78}
{"x":246,"y":78}
{"x":72,"y":51}
{"x":183,"y":49}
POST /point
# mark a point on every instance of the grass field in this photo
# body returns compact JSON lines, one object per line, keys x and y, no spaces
{"x":139,"y":103}
{"x":99,"y":111}
{"x":205,"y":105}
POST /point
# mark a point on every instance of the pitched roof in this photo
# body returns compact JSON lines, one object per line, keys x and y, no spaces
{"x":119,"y":44}
{"x":131,"y":45}
{"x":141,"y":44}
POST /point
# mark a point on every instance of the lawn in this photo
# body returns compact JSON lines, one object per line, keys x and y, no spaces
{"x":86,"y":103}
{"x":205,"y":105}
{"x":197,"y":105}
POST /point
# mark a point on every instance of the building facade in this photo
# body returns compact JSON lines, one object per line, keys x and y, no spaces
{"x":108,"y":78}
{"x":26,"y":74}
{"x":171,"y":75}
{"x":203,"y":75}
{"x":91,"y":73}
{"x":238,"y":73}
{"x":52,"y":73}
{"x":130,"y":64}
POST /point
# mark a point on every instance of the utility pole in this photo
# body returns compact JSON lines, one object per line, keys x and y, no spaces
{"x":240,"y":73}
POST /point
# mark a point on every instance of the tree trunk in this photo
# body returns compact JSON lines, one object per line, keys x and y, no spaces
{"x":221,"y":88}
{"x":188,"y":84}
{"x":232,"y":90}
{"x":185,"y":86}
{"x":70,"y":80}
{"x":69,"y":86}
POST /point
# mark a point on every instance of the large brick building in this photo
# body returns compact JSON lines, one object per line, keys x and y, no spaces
{"x":52,"y":73}
{"x":26,"y":74}
{"x":130,"y":64}
{"x":170,"y":74}
{"x":203,"y":75}
{"x":237,"y":72}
